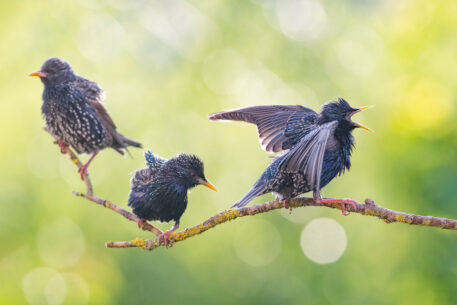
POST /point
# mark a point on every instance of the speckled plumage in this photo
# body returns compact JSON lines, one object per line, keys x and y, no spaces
{"x":317,"y":147}
{"x":73,"y":110}
{"x":159,"y":192}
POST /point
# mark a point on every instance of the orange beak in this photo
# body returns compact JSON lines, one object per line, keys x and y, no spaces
{"x":38,"y":73}
{"x":208,"y":185}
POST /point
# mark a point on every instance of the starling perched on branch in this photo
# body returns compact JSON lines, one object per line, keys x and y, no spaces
{"x":317,"y":147}
{"x":159,"y":192}
{"x":74,"y":113}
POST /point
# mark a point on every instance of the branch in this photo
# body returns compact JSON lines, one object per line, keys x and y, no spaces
{"x":368,"y":209}
{"x":105,"y":203}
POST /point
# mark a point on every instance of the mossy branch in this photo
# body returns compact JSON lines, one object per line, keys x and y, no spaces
{"x":367,"y":209}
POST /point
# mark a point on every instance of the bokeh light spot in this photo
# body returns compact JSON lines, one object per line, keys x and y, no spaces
{"x":61,"y":243}
{"x":55,"y":290}
{"x":38,"y":285}
{"x":101,"y":38}
{"x":77,"y":289}
{"x":179,"y":25}
{"x":224,"y":71}
{"x":323,"y":240}
{"x":359,"y":51}
{"x":257,"y":243}
{"x":301,"y":20}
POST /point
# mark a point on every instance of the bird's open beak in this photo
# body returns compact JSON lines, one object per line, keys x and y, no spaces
{"x":208,"y":184}
{"x":38,"y":73}
{"x":358,"y":124}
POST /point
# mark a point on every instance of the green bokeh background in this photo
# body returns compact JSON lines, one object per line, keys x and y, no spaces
{"x":165,"y":65}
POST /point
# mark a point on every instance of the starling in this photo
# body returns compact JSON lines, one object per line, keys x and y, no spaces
{"x":159,"y":192}
{"x":316,"y":147}
{"x":74,"y":113}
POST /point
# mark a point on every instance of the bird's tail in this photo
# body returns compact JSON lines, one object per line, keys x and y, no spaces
{"x":121,"y":142}
{"x":153,"y":161}
{"x":129,"y":142}
{"x":258,"y":189}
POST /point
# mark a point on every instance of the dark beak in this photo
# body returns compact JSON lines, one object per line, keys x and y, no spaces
{"x":207,"y":184}
{"x":358,"y":124}
{"x":38,"y":73}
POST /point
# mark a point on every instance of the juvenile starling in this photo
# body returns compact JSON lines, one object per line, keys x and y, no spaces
{"x":317,"y":147}
{"x":74,"y":113}
{"x":159,"y":192}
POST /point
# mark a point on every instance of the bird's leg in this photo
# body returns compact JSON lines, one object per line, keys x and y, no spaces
{"x":341,"y":202}
{"x":166,"y":234}
{"x":83,"y":168}
{"x":63,"y":146}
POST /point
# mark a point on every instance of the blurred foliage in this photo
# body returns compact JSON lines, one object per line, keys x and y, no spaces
{"x":165,"y":65}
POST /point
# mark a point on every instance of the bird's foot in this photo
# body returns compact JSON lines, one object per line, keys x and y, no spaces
{"x":285,"y":203}
{"x":82,"y":170}
{"x":141,"y":222}
{"x":341,"y":202}
{"x":63,"y":146}
{"x":165,"y":235}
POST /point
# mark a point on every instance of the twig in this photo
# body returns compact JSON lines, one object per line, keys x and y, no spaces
{"x":109,"y":205}
{"x":91,"y":197}
{"x":77,"y":162}
{"x":368,"y":209}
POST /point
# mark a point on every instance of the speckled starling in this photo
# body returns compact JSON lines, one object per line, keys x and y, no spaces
{"x":74,"y":113}
{"x":316,"y":147}
{"x":159,"y":192}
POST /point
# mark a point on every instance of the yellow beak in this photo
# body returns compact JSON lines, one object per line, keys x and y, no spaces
{"x":364,"y":108}
{"x":360,"y":125}
{"x":38,"y":73}
{"x":208,"y":185}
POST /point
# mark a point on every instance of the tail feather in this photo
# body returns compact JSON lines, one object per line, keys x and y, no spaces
{"x":257,"y":190}
{"x":129,"y":142}
{"x":153,"y":161}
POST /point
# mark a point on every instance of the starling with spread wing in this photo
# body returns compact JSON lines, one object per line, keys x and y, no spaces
{"x":316,"y":146}
{"x":74,"y":113}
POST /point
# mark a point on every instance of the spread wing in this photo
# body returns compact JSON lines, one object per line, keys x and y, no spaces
{"x":308,"y":155}
{"x":279,"y":127}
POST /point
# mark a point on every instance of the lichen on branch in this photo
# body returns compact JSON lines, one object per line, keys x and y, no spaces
{"x":367,"y":209}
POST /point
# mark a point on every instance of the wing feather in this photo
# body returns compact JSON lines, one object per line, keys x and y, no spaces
{"x":272,"y":123}
{"x":308,"y":155}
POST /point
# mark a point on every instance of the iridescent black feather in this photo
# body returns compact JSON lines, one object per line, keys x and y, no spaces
{"x":317,"y":147}
{"x":74,"y":113}
{"x":159,"y":192}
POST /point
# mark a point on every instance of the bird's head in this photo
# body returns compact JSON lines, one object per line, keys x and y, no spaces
{"x":189,"y":168}
{"x":342,"y":112}
{"x":54,"y":71}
